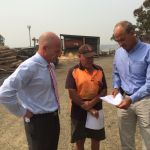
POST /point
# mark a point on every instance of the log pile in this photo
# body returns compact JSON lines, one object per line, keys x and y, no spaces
{"x":8,"y":60}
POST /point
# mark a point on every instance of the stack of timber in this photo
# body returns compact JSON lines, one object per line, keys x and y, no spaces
{"x":8,"y":60}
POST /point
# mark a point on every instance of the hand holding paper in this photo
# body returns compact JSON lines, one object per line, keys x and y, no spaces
{"x":93,"y":122}
{"x":114,"y":101}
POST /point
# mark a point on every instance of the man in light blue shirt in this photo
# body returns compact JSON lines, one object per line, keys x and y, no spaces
{"x":31,"y":92}
{"x":131,"y":76}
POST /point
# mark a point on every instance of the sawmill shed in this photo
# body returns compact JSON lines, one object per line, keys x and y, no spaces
{"x":71,"y":43}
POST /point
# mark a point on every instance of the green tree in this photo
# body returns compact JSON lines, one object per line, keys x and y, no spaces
{"x":142,"y":16}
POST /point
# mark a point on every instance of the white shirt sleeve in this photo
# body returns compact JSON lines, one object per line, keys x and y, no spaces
{"x":10,"y":87}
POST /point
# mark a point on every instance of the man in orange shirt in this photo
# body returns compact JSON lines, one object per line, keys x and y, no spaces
{"x":85,"y":82}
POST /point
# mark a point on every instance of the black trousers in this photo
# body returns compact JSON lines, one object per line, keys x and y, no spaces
{"x":43,"y":131}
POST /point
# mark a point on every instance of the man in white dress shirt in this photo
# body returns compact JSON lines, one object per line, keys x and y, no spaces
{"x":31,"y":92}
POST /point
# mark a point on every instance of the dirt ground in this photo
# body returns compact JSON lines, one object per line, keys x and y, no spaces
{"x":12,"y":136}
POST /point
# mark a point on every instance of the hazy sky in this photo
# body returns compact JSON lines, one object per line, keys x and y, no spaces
{"x":79,"y":17}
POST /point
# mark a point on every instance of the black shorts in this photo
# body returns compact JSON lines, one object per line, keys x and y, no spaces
{"x":79,"y":132}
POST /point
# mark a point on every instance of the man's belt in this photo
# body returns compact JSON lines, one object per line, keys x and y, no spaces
{"x":49,"y":114}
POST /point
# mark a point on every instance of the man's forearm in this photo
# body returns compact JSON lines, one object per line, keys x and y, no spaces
{"x":141,"y":93}
{"x":94,"y":101}
{"x":75,"y":98}
{"x":15,"y":109}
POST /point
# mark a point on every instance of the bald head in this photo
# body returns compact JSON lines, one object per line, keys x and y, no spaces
{"x":47,"y":38}
{"x":49,"y":46}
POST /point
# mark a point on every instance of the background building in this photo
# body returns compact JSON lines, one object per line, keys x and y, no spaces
{"x":71,"y":43}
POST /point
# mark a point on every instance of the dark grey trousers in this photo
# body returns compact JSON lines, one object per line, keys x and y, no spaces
{"x":43,"y":131}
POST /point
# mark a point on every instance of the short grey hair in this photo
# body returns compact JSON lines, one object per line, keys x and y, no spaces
{"x":127,"y":26}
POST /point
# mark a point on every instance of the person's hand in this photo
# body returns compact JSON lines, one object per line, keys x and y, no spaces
{"x":115,"y":91}
{"x":28,"y":114}
{"x":125,"y":103}
{"x":94,"y":113}
{"x":85,"y":105}
{"x":89,"y":104}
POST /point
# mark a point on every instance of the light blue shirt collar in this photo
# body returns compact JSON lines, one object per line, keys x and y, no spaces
{"x":40,"y":59}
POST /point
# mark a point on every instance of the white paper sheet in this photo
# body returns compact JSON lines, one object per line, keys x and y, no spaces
{"x":110,"y":99}
{"x":95,"y":123}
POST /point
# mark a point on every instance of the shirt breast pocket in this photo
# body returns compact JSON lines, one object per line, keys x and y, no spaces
{"x":138,"y":68}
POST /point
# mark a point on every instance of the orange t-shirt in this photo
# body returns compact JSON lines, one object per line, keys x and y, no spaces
{"x":88,"y":85}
